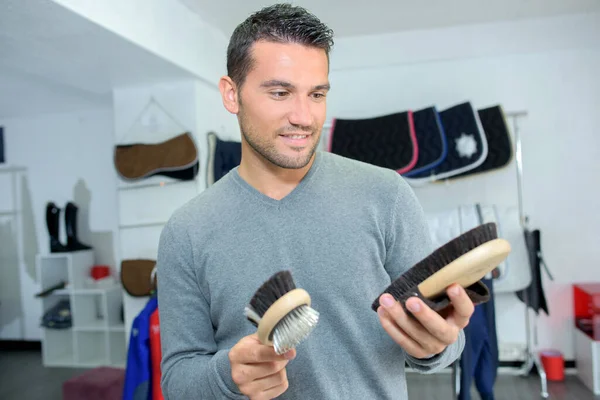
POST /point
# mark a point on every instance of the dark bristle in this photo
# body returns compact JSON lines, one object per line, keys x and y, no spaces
{"x":274,"y":288}
{"x":441,"y":257}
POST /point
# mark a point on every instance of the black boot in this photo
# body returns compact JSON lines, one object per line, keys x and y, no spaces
{"x":73,"y":244}
{"x":53,"y":225}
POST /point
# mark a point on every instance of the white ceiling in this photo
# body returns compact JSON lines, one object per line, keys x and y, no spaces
{"x":52,"y":60}
{"x":365,"y":17}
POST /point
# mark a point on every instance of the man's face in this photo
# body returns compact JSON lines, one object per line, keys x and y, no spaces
{"x":282,"y":102}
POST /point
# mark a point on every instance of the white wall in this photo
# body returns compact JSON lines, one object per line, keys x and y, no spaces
{"x":68,"y":157}
{"x":193,"y":106}
{"x":548,"y":68}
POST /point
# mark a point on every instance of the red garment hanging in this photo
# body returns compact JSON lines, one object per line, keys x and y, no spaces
{"x":155,"y":355}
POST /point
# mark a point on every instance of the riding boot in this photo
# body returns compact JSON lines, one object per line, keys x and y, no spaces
{"x":53,"y":225}
{"x":73,"y":243}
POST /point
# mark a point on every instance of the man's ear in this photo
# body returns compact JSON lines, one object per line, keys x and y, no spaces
{"x":229,"y":94}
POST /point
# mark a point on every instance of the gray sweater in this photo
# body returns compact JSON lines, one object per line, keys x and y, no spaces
{"x":345,"y":232}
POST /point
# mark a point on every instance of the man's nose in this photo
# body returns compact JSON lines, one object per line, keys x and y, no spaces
{"x":301,"y":114}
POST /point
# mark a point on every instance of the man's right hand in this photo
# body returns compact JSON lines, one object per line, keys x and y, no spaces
{"x":257,"y":370}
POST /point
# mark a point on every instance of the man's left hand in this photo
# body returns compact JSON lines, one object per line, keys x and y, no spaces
{"x":430,"y":332}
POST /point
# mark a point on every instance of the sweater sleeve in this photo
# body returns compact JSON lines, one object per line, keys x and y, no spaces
{"x":409,"y":242}
{"x":192,"y":366}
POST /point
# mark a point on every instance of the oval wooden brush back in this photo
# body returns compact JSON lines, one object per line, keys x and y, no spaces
{"x":278,"y":310}
{"x":466,"y":269}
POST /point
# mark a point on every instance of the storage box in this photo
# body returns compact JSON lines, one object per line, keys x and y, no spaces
{"x":586,"y":303}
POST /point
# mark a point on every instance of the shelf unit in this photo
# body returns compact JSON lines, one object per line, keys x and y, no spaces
{"x":141,"y":223}
{"x":587,"y":359}
{"x":96,"y":336}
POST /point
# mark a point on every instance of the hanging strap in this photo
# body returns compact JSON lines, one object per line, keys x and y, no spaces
{"x":137,"y":119}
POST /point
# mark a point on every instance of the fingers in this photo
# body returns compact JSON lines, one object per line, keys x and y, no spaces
{"x":274,"y":392}
{"x":257,"y":370}
{"x":431,"y":321}
{"x":462,"y":305}
{"x":409,"y":344}
{"x":250,"y":350}
{"x":245,"y":373}
{"x":268,"y":387}
{"x":409,"y":333}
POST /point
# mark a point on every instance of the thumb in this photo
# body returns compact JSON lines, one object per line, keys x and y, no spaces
{"x":290,"y":355}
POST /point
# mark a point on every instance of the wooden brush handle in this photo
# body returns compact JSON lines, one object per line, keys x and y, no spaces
{"x":282,"y":307}
{"x":466,"y":269}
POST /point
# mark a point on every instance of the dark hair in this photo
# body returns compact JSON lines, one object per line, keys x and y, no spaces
{"x":281,"y":23}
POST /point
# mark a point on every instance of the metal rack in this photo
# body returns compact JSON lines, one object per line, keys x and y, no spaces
{"x":531,"y":357}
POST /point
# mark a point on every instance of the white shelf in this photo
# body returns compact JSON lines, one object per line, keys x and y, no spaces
{"x":153,"y":181}
{"x":4,"y":168}
{"x":97,"y":334}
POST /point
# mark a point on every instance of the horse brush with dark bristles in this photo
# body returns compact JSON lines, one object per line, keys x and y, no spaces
{"x":464,"y":260}
{"x":281,"y":312}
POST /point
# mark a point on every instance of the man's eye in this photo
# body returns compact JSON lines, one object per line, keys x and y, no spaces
{"x":279,"y":94}
{"x":318,"y":95}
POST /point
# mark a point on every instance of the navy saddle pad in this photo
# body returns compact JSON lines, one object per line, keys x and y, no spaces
{"x":498,"y":138}
{"x":223,"y":156}
{"x":467,"y":145}
{"x":431,"y":141}
{"x":386,"y":141}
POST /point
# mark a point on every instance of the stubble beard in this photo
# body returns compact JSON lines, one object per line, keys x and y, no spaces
{"x":267,"y":149}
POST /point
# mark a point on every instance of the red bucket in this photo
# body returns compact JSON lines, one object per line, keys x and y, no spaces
{"x":554,"y":364}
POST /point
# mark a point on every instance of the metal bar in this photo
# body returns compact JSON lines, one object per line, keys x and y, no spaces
{"x":519,"y":159}
{"x":531,"y":358}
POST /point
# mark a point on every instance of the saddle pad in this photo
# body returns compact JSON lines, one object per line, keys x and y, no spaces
{"x":387,"y":141}
{"x":223,"y":156}
{"x":446,"y":224}
{"x":517,"y":274}
{"x":431,"y":141}
{"x":443,"y":226}
{"x":467,"y":144}
{"x":176,"y":157}
{"x":498,"y":138}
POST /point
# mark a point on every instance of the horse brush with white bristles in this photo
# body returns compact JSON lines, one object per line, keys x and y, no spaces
{"x":281,"y":312}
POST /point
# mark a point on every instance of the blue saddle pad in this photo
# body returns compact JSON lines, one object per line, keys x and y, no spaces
{"x":466,"y":141}
{"x":431,"y":141}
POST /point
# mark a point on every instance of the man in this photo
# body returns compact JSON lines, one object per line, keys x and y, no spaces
{"x":344,"y":229}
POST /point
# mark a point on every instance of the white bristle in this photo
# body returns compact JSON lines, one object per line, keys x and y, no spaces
{"x":293,"y":328}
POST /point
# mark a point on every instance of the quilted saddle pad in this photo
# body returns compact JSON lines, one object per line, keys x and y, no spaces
{"x":431,"y":141}
{"x":386,"y":141}
{"x":498,"y":138}
{"x":467,"y":144}
{"x":223,"y":156}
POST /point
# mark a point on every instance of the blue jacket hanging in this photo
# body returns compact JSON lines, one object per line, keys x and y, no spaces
{"x":138,"y":371}
{"x":479,"y":359}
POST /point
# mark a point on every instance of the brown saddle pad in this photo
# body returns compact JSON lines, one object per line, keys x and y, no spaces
{"x":176,"y":157}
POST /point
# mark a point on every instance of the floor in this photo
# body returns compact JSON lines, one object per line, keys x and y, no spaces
{"x":439,"y":387}
{"x":22,"y":377}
